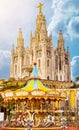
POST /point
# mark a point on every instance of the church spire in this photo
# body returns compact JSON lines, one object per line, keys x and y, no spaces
{"x":60,"y":41}
{"x":60,"y":35}
{"x":50,"y":36}
{"x":12,"y":47}
{"x":20,"y":33}
{"x":67,"y":48}
{"x":41,"y":30}
{"x":12,"y":51}
{"x":31,"y":39}
{"x":20,"y":39}
{"x":30,"y":36}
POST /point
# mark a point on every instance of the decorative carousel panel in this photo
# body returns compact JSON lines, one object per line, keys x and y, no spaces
{"x":8,"y":93}
{"x":38,"y":93}
{"x":53,"y":92}
{"x":63,"y":94}
{"x":21,"y":93}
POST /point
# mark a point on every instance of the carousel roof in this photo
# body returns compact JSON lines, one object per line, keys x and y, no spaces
{"x":34,"y":82}
{"x":33,"y":89}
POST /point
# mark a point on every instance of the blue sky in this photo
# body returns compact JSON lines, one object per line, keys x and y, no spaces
{"x":60,"y":15}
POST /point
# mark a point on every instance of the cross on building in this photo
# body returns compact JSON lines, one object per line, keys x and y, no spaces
{"x":40,"y":7}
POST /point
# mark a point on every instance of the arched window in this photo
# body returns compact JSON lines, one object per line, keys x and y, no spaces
{"x":15,"y":69}
{"x":39,"y":63}
{"x":47,"y":63}
{"x":23,"y":60}
{"x":56,"y":77}
{"x":59,"y":63}
{"x":48,"y":78}
{"x":60,"y":77}
{"x":56,"y":62}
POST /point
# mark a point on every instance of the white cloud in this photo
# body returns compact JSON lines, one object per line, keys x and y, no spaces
{"x":75,"y":67}
{"x":64,"y":12}
{"x":57,"y":14}
{"x":4,"y":64}
{"x":73,"y":27}
{"x":4,"y":58}
{"x":4,"y":54}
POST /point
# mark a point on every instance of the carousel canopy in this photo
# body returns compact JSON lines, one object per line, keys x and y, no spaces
{"x":34,"y":88}
{"x":34,"y":82}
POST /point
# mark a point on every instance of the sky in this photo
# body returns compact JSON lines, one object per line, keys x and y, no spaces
{"x":60,"y":15}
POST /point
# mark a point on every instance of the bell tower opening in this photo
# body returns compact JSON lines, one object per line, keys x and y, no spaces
{"x":48,"y":78}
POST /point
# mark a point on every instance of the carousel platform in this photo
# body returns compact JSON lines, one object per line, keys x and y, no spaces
{"x":12,"y":128}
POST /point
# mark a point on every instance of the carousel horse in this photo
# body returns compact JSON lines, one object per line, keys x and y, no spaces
{"x":30,"y":121}
{"x":50,"y":121}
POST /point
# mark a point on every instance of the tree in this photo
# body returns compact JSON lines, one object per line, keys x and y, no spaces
{"x":77,"y":78}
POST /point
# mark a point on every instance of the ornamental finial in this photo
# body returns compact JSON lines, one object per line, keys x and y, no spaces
{"x":40,"y":7}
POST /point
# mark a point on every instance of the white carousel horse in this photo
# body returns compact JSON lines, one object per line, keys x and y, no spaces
{"x":30,"y":121}
{"x":50,"y":121}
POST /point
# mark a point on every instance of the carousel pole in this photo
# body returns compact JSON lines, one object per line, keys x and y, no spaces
{"x":41,"y":106}
{"x":7,"y":110}
{"x":57,"y":104}
{"x":32,"y":106}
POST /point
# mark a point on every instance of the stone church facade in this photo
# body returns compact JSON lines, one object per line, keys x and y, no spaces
{"x":52,"y":64}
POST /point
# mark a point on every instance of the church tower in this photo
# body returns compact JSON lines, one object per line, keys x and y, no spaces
{"x":17,"y":57}
{"x":62,"y":61}
{"x":41,"y":45}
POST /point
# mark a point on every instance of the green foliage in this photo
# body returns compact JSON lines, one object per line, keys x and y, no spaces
{"x":77,"y":78}
{"x":75,"y":86}
{"x":1,"y":100}
{"x":11,"y":105}
{"x":12,"y":84}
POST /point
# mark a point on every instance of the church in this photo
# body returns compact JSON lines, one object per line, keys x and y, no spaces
{"x":52,"y":63}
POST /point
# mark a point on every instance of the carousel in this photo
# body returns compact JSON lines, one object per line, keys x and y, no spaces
{"x":32,"y":106}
